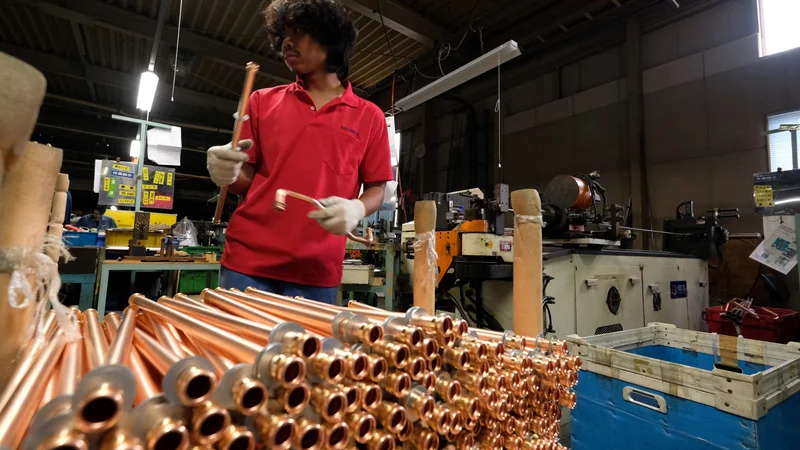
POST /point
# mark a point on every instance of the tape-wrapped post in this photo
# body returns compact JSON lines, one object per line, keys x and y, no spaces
{"x":62,"y":182}
{"x":22,"y":89}
{"x":425,"y":267}
{"x":527,"y":288}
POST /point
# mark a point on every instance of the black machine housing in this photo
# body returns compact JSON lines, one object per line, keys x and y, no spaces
{"x":698,"y":236}
{"x":457,"y":207}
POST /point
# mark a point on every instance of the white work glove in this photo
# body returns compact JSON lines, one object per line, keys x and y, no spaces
{"x":340,"y":215}
{"x":224,"y":163}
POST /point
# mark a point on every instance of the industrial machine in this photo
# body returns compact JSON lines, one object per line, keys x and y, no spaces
{"x":699,"y":236}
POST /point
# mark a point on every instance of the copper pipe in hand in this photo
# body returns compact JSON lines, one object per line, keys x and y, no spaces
{"x":280,"y":205}
{"x":241,"y":116}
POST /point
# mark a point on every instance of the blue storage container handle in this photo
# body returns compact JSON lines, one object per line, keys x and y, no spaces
{"x":644,"y":399}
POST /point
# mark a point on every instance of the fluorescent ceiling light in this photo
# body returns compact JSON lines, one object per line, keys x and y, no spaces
{"x":135,"y":147}
{"x":485,"y":63}
{"x":147,"y":90}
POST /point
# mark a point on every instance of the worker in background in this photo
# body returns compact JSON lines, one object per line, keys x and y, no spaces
{"x":97,"y":219}
{"x":314,"y":136}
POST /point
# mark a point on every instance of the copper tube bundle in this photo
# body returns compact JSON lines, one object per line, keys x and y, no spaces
{"x":232,"y":369}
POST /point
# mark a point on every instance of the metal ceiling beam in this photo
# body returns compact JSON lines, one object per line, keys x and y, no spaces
{"x":95,"y":13}
{"x":401,"y":19}
{"x":67,"y":67}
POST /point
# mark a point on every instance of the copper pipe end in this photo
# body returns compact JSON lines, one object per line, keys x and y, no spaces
{"x":209,"y":423}
{"x":512,"y":442}
{"x":568,"y":399}
{"x":465,"y":441}
{"x":362,"y":426}
{"x":447,"y":341}
{"x":335,"y":436}
{"x":196,"y":386}
{"x":469,"y":405}
{"x":100,"y":410}
{"x":573,"y":379}
{"x":435,"y":363}
{"x":119,"y":439}
{"x":416,"y":368}
{"x":412,"y":336}
{"x":369,"y":333}
{"x":371,"y":396}
{"x":276,"y":431}
{"x":397,"y":383}
{"x":514,"y":381}
{"x":397,"y":354}
{"x":391,"y":415}
{"x":430,"y":348}
{"x":405,"y":434}
{"x":470,"y":423}
{"x":357,"y":365}
{"x":381,"y":440}
{"x":447,"y":388}
{"x":377,"y":368}
{"x":440,"y":420}
{"x":456,"y":357}
{"x":294,"y":399}
{"x":443,"y":325}
{"x":460,"y":328}
{"x":330,"y":403}
{"x":331,"y":368}
{"x":308,"y":435}
{"x":250,"y":395}
{"x":429,"y":382}
{"x":420,"y":403}
{"x":353,"y":395}
{"x":456,"y":422}
{"x":66,"y":439}
{"x":237,"y":438}
{"x":428,"y":440}
{"x":303,"y":345}
{"x":168,"y":434}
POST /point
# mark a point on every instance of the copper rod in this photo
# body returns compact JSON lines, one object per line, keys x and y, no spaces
{"x":294,"y":301}
{"x":256,"y":332}
{"x":145,"y":385}
{"x":239,"y":348}
{"x":51,"y":386}
{"x":94,"y":340}
{"x":22,"y":405}
{"x":250,"y":76}
{"x":280,"y":205}
{"x":319,"y":319}
{"x":119,"y":350}
{"x":70,"y":368}
{"x":23,"y":364}
{"x":164,"y":335}
{"x":156,"y":354}
{"x":233,"y":306}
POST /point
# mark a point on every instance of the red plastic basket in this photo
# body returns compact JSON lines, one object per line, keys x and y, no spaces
{"x":772,"y":325}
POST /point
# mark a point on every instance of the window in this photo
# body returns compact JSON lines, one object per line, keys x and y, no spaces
{"x":780,"y":142}
{"x":778,"y":25}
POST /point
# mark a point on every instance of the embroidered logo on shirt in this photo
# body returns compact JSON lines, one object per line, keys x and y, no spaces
{"x":351,"y":131}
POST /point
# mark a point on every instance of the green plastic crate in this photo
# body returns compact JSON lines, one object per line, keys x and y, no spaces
{"x":193,"y":282}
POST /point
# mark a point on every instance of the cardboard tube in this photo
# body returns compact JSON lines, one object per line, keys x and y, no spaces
{"x":22,"y":89}
{"x":527,"y":264}
{"x":424,"y":283}
{"x":59,"y":208}
{"x":62,"y":183}
{"x":25,"y":198}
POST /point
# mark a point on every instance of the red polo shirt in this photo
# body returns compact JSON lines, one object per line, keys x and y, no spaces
{"x":324,"y":153}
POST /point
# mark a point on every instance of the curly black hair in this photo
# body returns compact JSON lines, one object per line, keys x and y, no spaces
{"x":326,"y":21}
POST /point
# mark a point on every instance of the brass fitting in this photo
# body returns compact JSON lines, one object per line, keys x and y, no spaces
{"x":362,"y":426}
{"x":377,"y":368}
{"x":288,"y":370}
{"x":237,"y":438}
{"x":419,"y":404}
{"x":475,"y":383}
{"x":381,"y":440}
{"x":468,"y":404}
{"x":458,"y":358}
{"x":391,"y":415}
{"x":395,"y":353}
{"x":304,"y":345}
{"x":440,"y":420}
{"x":308,"y":435}
{"x":330,"y":368}
{"x":447,"y":388}
{"x":208,"y":423}
{"x":335,"y":436}
{"x":329,"y":402}
{"x":357,"y":364}
{"x":416,"y":367}
{"x":276,"y":431}
{"x":371,"y":396}
{"x":250,"y":395}
{"x":430,"y":348}
{"x":353,"y":395}
{"x":397,"y":384}
{"x":291,"y":400}
{"x":429,"y":382}
{"x":425,"y":440}
{"x":435,"y":363}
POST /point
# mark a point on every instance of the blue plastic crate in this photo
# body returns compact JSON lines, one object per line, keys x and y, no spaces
{"x":657,"y":388}
{"x":79,"y":239}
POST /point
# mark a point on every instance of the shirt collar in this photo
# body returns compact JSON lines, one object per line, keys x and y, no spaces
{"x":348,"y":97}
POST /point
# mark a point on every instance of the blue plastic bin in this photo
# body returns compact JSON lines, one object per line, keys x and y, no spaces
{"x":79,"y":239}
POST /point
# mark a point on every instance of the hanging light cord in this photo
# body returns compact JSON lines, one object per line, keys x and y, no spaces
{"x":499,"y":123}
{"x":177,"y":46}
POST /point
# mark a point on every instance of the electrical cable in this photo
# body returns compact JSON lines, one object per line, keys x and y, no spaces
{"x":177,"y":46}
{"x":388,"y":42}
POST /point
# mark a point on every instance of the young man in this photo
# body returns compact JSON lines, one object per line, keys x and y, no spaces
{"x":97,"y":219}
{"x":315,"y":137}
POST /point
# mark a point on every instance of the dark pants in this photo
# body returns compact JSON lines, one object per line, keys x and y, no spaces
{"x":231,"y":279}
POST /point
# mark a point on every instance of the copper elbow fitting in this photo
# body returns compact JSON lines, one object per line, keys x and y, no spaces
{"x":237,"y":438}
{"x":377,"y":368}
{"x":353,"y":395}
{"x":391,"y":415}
{"x":419,"y":404}
{"x":396,"y":354}
{"x":357,"y":364}
{"x":307,"y":436}
{"x":330,"y":403}
{"x":469,"y":405}
{"x":292,"y":400}
{"x":362,"y":426}
{"x":458,"y":358}
{"x":397,"y":383}
{"x":67,"y":439}
{"x":329,"y":367}
{"x":428,"y":381}
{"x":371,"y":396}
{"x":208,"y":423}
{"x":100,"y":410}
{"x":276,"y":431}
{"x":335,"y":436}
{"x":250,"y":395}
{"x":304,"y":345}
{"x":416,"y":368}
{"x":429,"y":348}
{"x":381,"y":440}
{"x":288,"y":370}
{"x":447,"y":388}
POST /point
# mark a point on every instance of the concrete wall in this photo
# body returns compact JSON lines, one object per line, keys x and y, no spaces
{"x":707,"y":94}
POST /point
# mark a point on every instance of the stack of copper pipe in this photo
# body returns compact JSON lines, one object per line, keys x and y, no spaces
{"x":236,"y":370}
